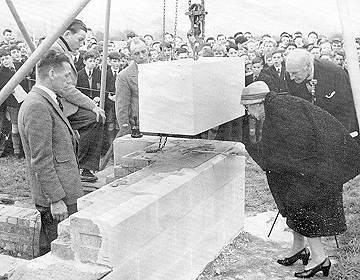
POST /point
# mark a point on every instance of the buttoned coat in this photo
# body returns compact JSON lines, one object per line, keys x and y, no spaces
{"x":127,"y":95}
{"x":83,"y":83}
{"x":72,"y":97}
{"x":48,"y":142}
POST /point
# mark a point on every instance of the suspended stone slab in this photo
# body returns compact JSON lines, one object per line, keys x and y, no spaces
{"x":188,"y":97}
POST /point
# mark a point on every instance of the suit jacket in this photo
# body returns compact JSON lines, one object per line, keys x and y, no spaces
{"x":79,"y":62}
{"x":275,"y":82}
{"x":261,"y":77}
{"x":48,"y":142}
{"x":72,"y":98}
{"x":83,"y":82}
{"x":127,"y":95}
{"x":333,"y":92}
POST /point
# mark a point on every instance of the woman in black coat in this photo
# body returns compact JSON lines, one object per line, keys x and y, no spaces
{"x":307,"y":155}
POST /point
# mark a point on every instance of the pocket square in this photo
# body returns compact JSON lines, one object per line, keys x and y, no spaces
{"x":329,"y":95}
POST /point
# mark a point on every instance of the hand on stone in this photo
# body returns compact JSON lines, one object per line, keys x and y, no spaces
{"x":59,"y":210}
{"x":238,"y":149}
{"x":111,"y":97}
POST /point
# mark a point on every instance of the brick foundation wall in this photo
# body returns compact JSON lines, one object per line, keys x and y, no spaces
{"x":19,"y":231}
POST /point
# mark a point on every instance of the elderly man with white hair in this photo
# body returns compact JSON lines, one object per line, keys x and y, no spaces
{"x":323,"y":83}
{"x":305,"y":166}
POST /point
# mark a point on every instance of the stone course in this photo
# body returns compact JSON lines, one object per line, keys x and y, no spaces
{"x":19,"y":231}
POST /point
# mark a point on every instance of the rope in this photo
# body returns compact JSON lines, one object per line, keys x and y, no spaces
{"x":176,"y":18}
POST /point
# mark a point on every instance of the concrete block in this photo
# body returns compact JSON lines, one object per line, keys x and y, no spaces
{"x":62,"y":249}
{"x":8,"y":265}
{"x":125,"y":145}
{"x":188,"y":97}
{"x":49,"y":267}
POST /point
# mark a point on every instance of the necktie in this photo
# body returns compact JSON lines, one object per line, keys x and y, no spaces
{"x":12,"y":69}
{"x":115,"y":74}
{"x":278,"y":71}
{"x":90,"y":74}
{"x":60,"y":104}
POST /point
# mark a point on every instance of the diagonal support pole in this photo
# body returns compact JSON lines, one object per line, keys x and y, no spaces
{"x":39,"y":52}
{"x":21,"y":25}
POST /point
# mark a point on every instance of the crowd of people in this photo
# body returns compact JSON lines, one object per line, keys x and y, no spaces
{"x":60,"y":128}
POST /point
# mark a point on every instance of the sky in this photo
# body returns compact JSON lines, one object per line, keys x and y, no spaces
{"x":228,"y":17}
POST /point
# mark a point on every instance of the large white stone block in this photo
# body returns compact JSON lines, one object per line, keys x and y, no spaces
{"x":188,"y":97}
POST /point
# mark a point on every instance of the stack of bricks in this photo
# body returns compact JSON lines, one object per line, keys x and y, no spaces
{"x":19,"y":231}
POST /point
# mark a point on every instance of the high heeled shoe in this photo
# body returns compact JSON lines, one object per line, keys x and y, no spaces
{"x":303,"y":255}
{"x":311,"y":272}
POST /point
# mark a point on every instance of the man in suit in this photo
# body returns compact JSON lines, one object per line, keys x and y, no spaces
{"x":275,"y":74}
{"x":49,"y":145}
{"x":324,"y":84}
{"x":127,"y":91}
{"x":82,"y":112}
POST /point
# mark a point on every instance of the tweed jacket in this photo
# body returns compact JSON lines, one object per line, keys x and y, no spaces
{"x":333,"y":92}
{"x":48,"y":142}
{"x":72,"y":97}
{"x":127,"y":95}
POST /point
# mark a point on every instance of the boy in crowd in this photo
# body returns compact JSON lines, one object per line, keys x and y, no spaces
{"x":15,"y":53}
{"x":219,"y":50}
{"x":12,"y":103}
{"x":89,"y":77}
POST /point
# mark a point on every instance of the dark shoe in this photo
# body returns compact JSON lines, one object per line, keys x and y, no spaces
{"x":303,"y":255}
{"x":324,"y":267}
{"x":87,"y":176}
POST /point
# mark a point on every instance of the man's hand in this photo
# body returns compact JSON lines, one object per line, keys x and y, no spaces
{"x":238,"y":149}
{"x":100,"y":114}
{"x":59,"y":210}
{"x":112,"y":97}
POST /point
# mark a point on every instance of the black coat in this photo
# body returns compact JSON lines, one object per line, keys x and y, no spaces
{"x":275,"y":82}
{"x":333,"y":92}
{"x":84,"y":86}
{"x":307,"y":155}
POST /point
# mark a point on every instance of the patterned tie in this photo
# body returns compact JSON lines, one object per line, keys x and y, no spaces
{"x":90,"y":75}
{"x":59,"y":102}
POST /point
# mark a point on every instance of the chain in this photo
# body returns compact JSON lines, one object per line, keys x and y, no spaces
{"x":189,"y":3}
{"x":164,"y":17}
{"x":176,"y":18}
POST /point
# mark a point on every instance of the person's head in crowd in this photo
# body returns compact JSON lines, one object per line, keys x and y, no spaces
{"x":91,"y":46}
{"x":232,"y":50}
{"x":182,"y":53}
{"x":111,"y":46}
{"x":221,"y":39}
{"x":339,"y":58}
{"x":130,"y":35}
{"x":298,"y":34}
{"x":75,"y":35}
{"x":239,"y":33}
{"x":245,"y":57}
{"x":242,"y":50}
{"x":252,"y":55}
{"x":315,"y":51}
{"x":299,"y":64}
{"x":285,"y":38}
{"x":325,"y":45}
{"x":178,"y":41}
{"x":248,"y":67}
{"x":89,"y":59}
{"x":206,"y":51}
{"x":166,"y":51}
{"x":268,"y":60}
{"x":248,"y":35}
{"x":277,"y":58}
{"x":8,"y":35}
{"x":185,"y":46}
{"x":326,"y":56}
{"x":153,"y":55}
{"x":230,"y":40}
{"x":269,"y":46}
{"x":148,"y":39}
{"x":282,"y":45}
{"x":357,"y":42}
{"x":54,"y":71}
{"x":240,"y":41}
{"x":257,"y":66}
{"x":5,"y":58}
{"x":299,"y":42}
{"x":251,"y":45}
{"x":169,"y":38}
{"x":116,"y":60}
{"x":336,"y":44}
{"x":265,"y":37}
{"x":291,"y":46}
{"x":15,"y":53}
{"x":156,"y":45}
{"x":210,"y":40}
{"x":138,"y":50}
{"x":219,"y":50}
{"x":312,"y":37}
{"x":23,"y":48}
